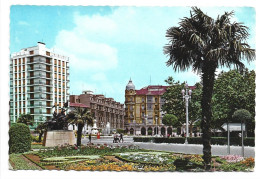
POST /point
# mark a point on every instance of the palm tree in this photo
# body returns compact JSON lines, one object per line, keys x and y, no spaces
{"x":80,"y":117}
{"x":26,"y":119}
{"x":205,"y":44}
{"x":41,"y":128}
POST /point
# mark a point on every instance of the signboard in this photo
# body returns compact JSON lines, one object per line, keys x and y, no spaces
{"x":233,"y":126}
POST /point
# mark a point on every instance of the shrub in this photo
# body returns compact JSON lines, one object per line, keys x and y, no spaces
{"x":120,"y":131}
{"x":143,"y":139}
{"x":35,"y":138}
{"x":249,"y":141}
{"x":19,"y":138}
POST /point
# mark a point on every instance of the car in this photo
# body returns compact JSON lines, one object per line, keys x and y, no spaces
{"x":157,"y":135}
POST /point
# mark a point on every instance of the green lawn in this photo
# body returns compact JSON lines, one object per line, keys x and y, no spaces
{"x":19,"y":162}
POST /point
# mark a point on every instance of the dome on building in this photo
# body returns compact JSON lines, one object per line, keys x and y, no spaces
{"x":130,"y":85}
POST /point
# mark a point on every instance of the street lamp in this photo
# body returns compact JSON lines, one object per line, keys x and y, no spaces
{"x":146,"y":121}
{"x":186,"y":96}
{"x":156,"y":118}
{"x":134,"y":127}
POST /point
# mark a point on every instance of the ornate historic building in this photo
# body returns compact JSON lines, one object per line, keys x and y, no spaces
{"x":143,"y":110}
{"x":107,"y":112}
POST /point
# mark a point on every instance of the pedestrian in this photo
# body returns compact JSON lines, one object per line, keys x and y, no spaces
{"x":121,"y":138}
{"x":114,"y":138}
{"x":89,"y":137}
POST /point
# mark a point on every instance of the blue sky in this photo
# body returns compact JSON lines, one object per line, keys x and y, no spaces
{"x":108,"y":45}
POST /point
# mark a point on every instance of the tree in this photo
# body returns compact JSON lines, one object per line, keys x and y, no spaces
{"x":174,"y":103}
{"x":205,"y":44}
{"x":241,"y":115}
{"x":40,"y":129}
{"x":26,"y":119}
{"x":233,"y":90}
{"x":171,"y":120}
{"x":80,"y":117}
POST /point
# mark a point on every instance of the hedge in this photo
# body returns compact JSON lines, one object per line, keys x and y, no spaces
{"x":19,"y":138}
{"x":249,"y":141}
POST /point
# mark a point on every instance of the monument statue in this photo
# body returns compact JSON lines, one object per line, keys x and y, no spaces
{"x":57,"y":129}
{"x":58,"y":121}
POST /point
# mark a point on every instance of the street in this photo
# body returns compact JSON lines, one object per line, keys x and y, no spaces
{"x":217,"y":150}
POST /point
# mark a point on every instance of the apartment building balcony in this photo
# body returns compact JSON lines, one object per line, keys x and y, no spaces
{"x":36,"y":98}
{"x":36,"y":105}
{"x":36,"y":76}
{"x":42,"y":61}
{"x":39,"y":91}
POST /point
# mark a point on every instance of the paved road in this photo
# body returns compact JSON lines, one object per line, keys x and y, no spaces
{"x":218,"y":150}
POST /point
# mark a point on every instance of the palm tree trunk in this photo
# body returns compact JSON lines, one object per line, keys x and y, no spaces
{"x":79,"y":134}
{"x":40,"y":136}
{"x":208,"y":76}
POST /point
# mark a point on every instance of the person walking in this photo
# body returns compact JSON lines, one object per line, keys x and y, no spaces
{"x":121,"y":138}
{"x":89,"y":137}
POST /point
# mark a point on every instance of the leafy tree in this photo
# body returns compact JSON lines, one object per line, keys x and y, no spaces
{"x":241,"y":115}
{"x":234,"y":90}
{"x":171,"y":120}
{"x":40,"y":129}
{"x":80,"y":117}
{"x":26,"y":119}
{"x":205,"y":44}
{"x":174,"y":103}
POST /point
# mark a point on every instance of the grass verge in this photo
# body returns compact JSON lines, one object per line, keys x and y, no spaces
{"x":18,"y":162}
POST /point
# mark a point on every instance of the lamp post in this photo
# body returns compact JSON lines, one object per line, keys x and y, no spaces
{"x":134,"y":127}
{"x":156,"y":118}
{"x":146,"y":120}
{"x":186,"y":96}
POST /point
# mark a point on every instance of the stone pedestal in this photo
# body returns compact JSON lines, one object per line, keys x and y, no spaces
{"x":59,"y":137}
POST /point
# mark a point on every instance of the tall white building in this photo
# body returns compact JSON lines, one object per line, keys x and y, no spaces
{"x":39,"y":79}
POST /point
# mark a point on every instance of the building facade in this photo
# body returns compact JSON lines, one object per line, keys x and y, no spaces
{"x":39,"y":79}
{"x":108,"y":113}
{"x":143,"y":110}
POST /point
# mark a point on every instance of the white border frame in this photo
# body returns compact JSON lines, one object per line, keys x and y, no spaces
{"x":4,"y":90}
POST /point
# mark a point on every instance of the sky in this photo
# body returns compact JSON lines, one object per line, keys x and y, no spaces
{"x":109,"y":45}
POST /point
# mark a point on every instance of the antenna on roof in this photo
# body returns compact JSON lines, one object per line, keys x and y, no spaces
{"x":150,"y":80}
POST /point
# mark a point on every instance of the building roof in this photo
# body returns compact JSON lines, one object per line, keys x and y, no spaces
{"x":155,"y":90}
{"x":152,"y":90}
{"x":130,"y":85}
{"x":78,"y":105}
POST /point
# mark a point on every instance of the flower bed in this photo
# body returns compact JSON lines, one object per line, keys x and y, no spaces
{"x":108,"y":158}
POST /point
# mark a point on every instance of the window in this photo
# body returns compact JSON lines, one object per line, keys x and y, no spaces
{"x":149,"y":106}
{"x":149,"y":98}
{"x":47,"y":53}
{"x":142,"y":107}
{"x":31,"y":52}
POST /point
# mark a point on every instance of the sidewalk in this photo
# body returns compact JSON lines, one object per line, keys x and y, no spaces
{"x":216,"y":150}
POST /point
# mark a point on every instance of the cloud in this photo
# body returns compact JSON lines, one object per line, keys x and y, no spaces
{"x":98,"y":43}
{"x":84,"y":53}
{"x":23,"y":23}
